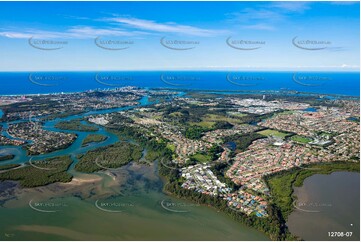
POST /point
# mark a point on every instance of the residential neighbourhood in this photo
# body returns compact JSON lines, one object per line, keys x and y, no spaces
{"x":201,"y":179}
{"x":295,"y":134}
{"x":42,"y":141}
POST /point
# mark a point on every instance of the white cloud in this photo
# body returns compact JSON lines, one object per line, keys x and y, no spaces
{"x":291,"y":6}
{"x":90,"y":32}
{"x":150,"y":25}
{"x":259,"y":27}
{"x":267,"y":16}
{"x":251,"y":14}
{"x":344,"y":2}
{"x":130,"y":27}
{"x":74,"y":17}
{"x":75,"y":32}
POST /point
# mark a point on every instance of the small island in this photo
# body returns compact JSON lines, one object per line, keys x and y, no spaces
{"x":240,"y":153}
{"x":93,"y":138}
{"x":7,"y":157}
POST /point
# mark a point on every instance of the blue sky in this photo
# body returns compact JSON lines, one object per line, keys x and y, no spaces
{"x":276,"y":36}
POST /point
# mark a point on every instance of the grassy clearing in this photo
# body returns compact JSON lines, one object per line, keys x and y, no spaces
{"x":176,"y":114}
{"x":219,"y":118}
{"x":210,"y":120}
{"x":203,"y":158}
{"x":203,"y":124}
{"x":236,"y":114}
{"x":301,"y":139}
{"x":271,"y":132}
{"x":171,"y":147}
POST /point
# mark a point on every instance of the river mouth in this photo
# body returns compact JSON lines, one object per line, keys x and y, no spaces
{"x":126,"y":203}
{"x":122,"y":204}
{"x":326,"y":204}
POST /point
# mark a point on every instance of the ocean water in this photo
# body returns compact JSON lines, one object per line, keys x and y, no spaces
{"x":339,"y":83}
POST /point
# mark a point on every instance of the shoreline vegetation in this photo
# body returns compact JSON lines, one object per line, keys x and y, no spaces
{"x":273,"y":226}
{"x":121,"y":153}
{"x":280,"y":206}
{"x":75,"y":125}
{"x":93,"y":138}
{"x":112,"y":156}
{"x":281,"y":184}
{"x":39,"y":173}
{"x":7,"y":157}
{"x":133,"y":145}
{"x":53,"y":149}
{"x":8,"y":167}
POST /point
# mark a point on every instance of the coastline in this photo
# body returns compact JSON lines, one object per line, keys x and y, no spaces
{"x":198,"y":90}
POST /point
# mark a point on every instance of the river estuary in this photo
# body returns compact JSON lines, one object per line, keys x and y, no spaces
{"x":118,"y":204}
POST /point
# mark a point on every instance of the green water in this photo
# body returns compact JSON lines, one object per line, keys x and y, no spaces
{"x":122,"y":204}
{"x":142,"y":216}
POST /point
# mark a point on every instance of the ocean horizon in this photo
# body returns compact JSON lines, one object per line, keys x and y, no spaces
{"x":331,"y":83}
